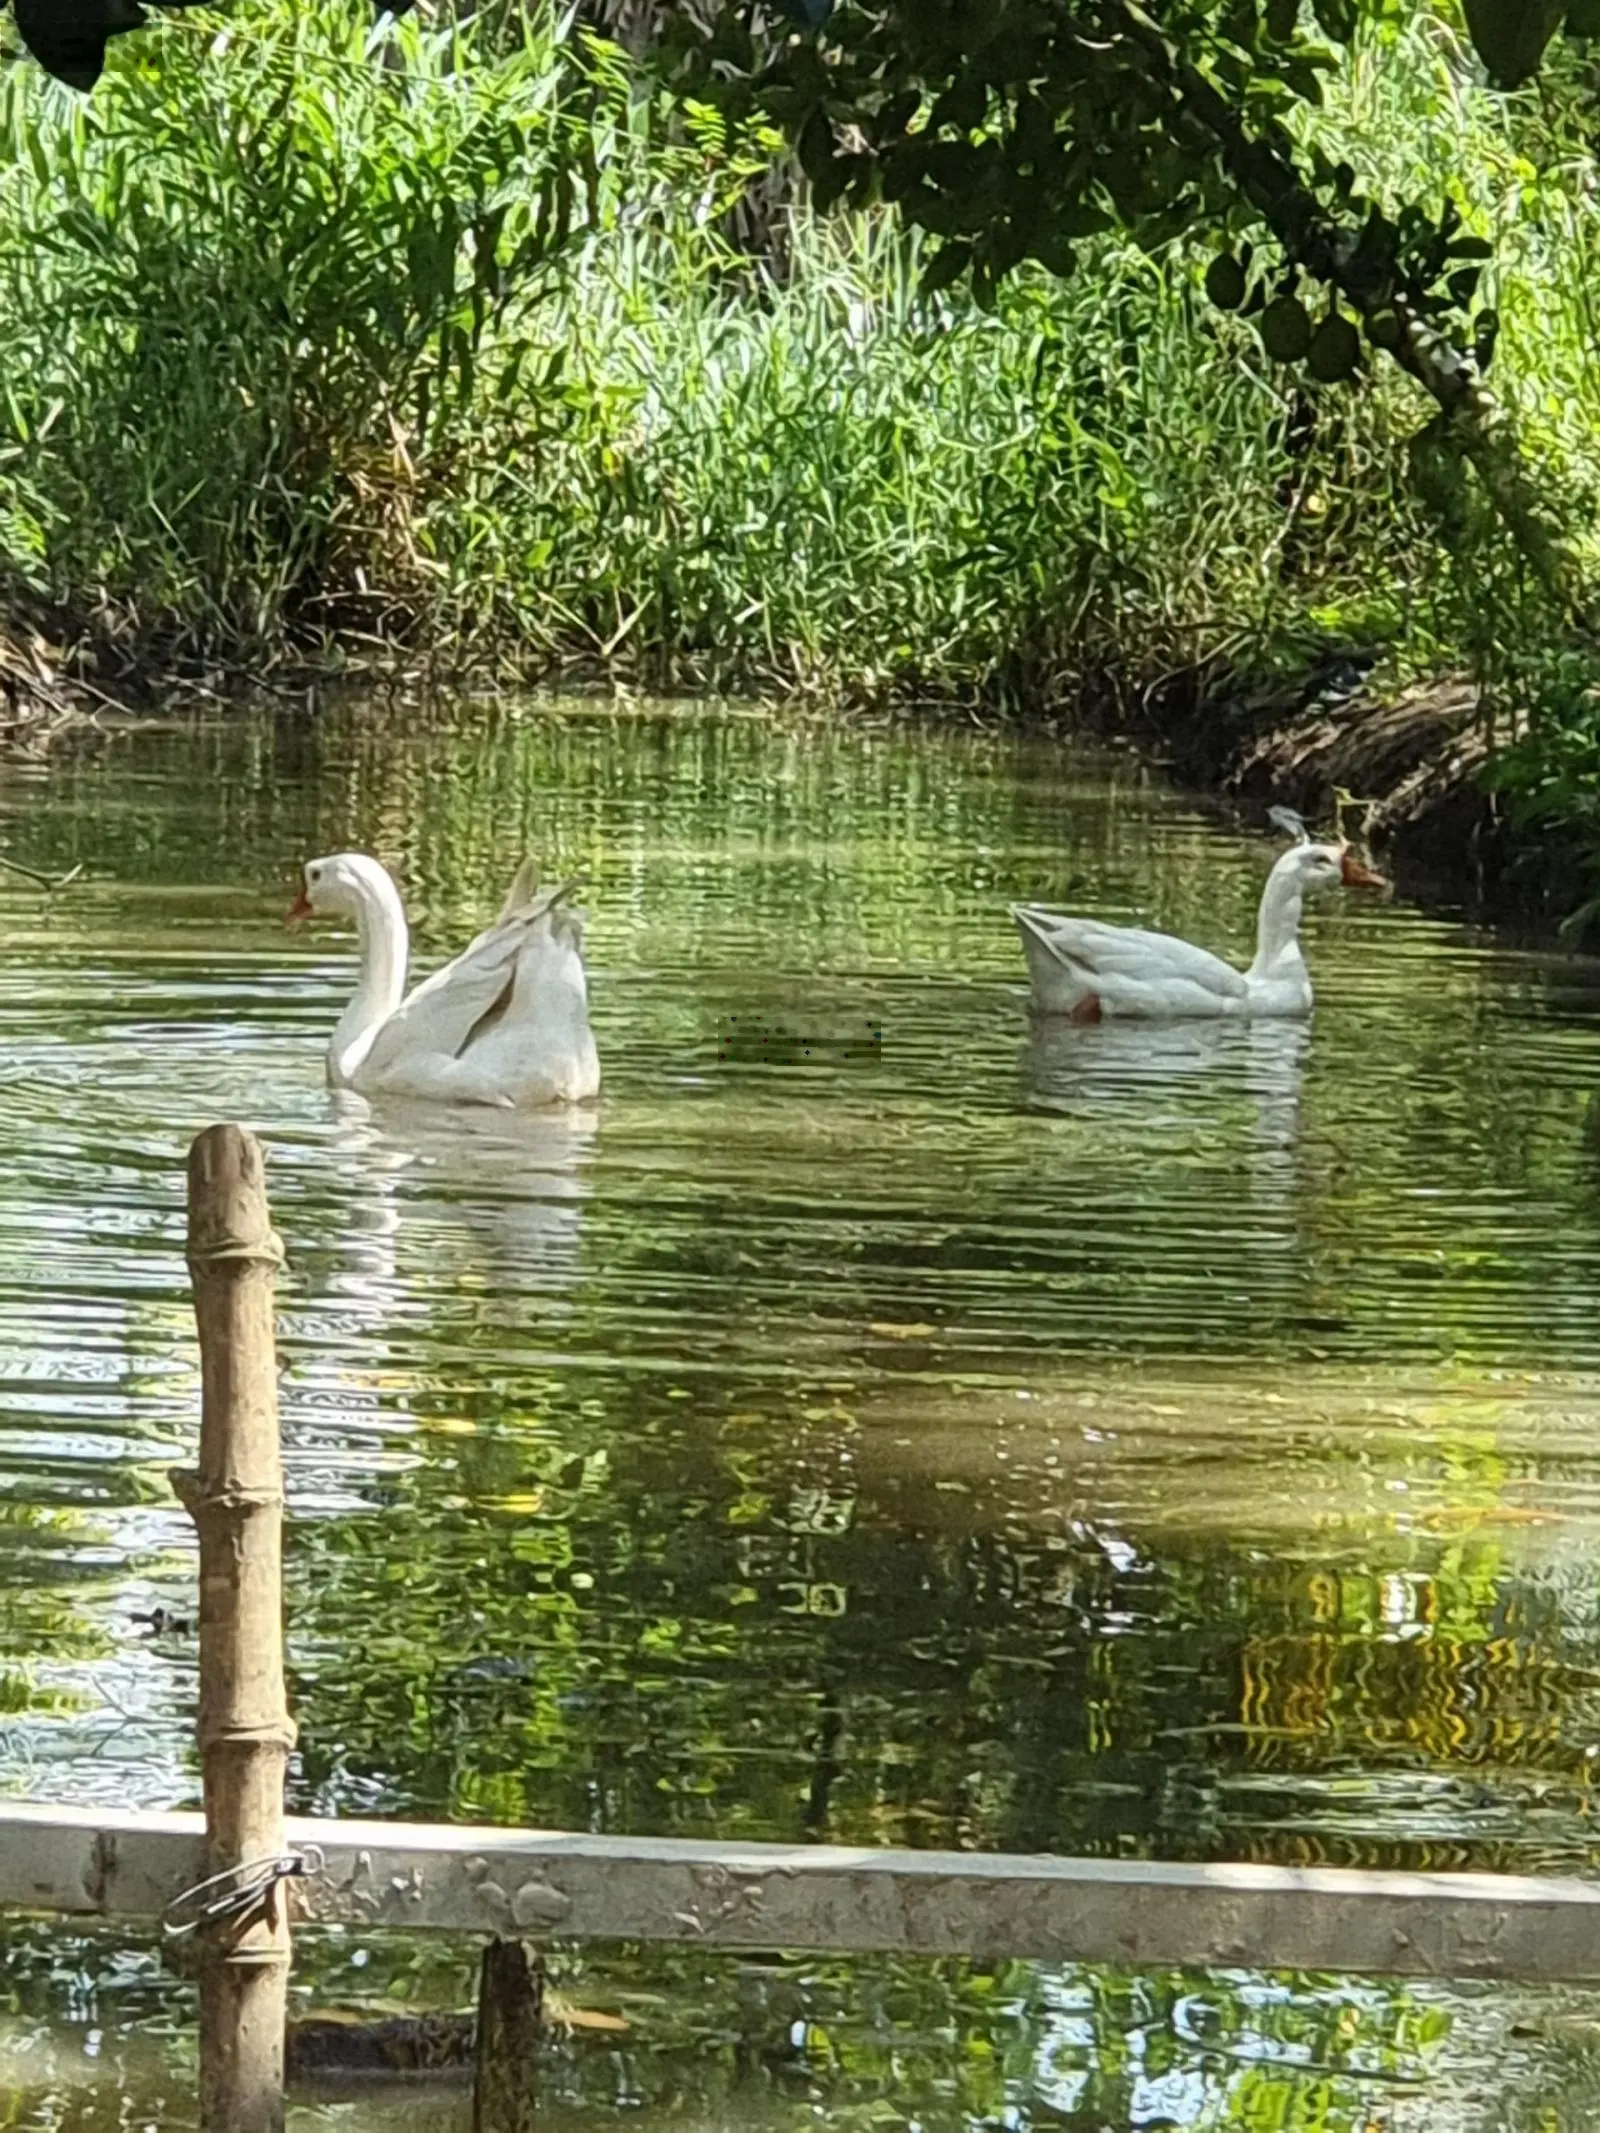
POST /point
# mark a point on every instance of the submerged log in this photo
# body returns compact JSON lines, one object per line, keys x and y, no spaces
{"x":332,"y":2046}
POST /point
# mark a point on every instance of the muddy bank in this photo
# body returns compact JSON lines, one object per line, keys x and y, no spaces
{"x":41,"y":698}
{"x":1412,"y":768}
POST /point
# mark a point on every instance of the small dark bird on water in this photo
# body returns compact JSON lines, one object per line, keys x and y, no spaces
{"x":68,"y":37}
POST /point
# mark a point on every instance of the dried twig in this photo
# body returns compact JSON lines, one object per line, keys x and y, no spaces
{"x":51,"y":882}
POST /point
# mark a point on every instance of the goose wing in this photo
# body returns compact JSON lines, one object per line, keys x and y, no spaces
{"x":443,"y":1014}
{"x":1106,"y":957}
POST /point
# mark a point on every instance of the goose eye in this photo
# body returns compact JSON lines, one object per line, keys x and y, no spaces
{"x":316,"y":873}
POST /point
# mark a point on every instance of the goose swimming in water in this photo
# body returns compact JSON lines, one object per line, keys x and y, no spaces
{"x":1089,"y":970}
{"x":506,"y":1023}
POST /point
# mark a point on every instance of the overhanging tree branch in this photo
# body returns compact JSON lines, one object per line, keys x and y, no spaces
{"x":1267,"y":178}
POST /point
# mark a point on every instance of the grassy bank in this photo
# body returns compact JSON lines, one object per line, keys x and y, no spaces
{"x":308,"y":352}
{"x":325,"y":345}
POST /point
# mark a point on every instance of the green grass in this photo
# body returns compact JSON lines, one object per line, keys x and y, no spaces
{"x":318,"y":346}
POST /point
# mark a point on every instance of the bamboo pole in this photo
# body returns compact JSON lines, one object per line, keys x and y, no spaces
{"x":236,"y":1501}
{"x":510,"y":2007}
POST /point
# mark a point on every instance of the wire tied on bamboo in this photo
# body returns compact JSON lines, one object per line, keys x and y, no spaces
{"x":235,"y":1497}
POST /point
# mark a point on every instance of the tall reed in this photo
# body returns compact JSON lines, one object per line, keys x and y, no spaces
{"x":323,"y":337}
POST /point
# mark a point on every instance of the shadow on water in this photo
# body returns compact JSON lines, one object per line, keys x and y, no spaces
{"x":1170,"y":1441}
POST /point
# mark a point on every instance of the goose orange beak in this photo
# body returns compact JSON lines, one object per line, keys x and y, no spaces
{"x":1356,"y":876}
{"x":298,"y":910}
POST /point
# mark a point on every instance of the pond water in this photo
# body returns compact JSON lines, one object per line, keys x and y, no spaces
{"x":877,"y":1421}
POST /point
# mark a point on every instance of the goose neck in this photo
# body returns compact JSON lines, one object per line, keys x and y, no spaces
{"x":1278,"y":921}
{"x":384,"y":947}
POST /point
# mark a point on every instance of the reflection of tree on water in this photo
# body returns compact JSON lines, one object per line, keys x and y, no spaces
{"x":615,"y":1610}
{"x":602,"y":1514}
{"x":95,"y":1681}
{"x":765,"y":2044}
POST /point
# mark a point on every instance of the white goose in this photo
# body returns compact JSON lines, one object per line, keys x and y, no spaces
{"x":1082,"y":968}
{"x":506,"y":1023}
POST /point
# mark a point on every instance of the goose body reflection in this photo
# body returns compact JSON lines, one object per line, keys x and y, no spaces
{"x":509,"y":1187}
{"x":1068,"y":1063}
{"x":430,"y":1221}
{"x":1148,"y":1094}
{"x":506,"y":1025}
{"x":1082,"y":968}
{"x":1070,"y":1066}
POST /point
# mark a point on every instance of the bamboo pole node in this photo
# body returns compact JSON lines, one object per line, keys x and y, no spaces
{"x":281,"y":1735}
{"x":191,"y":1494}
{"x":235,"y":1251}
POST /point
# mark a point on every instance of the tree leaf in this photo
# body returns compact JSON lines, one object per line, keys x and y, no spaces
{"x":1055,"y":254}
{"x":1463,"y":287}
{"x":1286,"y":329}
{"x":1225,"y":282}
{"x":948,"y":264}
{"x":816,"y":147}
{"x":1510,"y":36}
{"x":962,"y":106}
{"x":808,"y":14}
{"x":1335,"y":350}
{"x":1283,"y":19}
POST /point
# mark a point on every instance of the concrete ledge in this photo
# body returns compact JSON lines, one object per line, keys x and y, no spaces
{"x":423,"y":1877}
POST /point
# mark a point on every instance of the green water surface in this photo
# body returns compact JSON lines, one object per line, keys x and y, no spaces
{"x":876,"y":1422}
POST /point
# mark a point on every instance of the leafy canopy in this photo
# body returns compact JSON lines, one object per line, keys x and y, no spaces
{"x":1012,"y":130}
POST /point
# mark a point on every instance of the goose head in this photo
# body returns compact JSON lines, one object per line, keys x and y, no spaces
{"x":343,"y":885}
{"x":1305,"y":867}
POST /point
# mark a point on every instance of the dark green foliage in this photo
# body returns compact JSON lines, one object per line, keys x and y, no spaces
{"x":69,"y":37}
{"x":316,"y":348}
{"x":1021,"y":130}
{"x":1018,"y":131}
{"x":1511,"y":35}
{"x":1334,"y":351}
{"x":1225,"y":282}
{"x":1286,"y":329}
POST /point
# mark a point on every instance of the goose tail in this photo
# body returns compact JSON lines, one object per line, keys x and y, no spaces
{"x":521,"y":892}
{"x":1034,"y":925}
